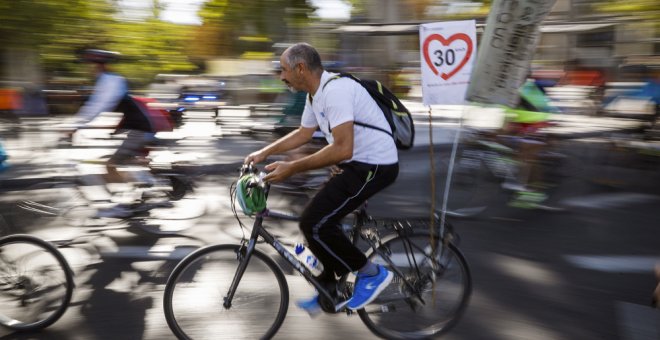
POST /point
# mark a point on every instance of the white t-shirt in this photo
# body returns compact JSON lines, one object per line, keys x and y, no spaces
{"x":344,"y":100}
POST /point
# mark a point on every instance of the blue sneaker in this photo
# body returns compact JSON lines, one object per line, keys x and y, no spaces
{"x":311,"y":306}
{"x":367,"y":288}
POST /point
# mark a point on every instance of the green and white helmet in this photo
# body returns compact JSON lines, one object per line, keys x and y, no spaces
{"x":251,"y":197}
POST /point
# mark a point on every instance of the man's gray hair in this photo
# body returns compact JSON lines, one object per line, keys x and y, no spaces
{"x":303,"y":53}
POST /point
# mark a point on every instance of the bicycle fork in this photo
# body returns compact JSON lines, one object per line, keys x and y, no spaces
{"x":243,"y":254}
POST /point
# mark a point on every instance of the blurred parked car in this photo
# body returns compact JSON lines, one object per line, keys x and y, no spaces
{"x":203,"y":94}
{"x":188,"y":91}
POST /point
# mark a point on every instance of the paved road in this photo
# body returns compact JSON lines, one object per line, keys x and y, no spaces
{"x":584,"y":273}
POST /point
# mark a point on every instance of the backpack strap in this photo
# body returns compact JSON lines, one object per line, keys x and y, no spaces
{"x":309,"y":96}
{"x":373,"y":127}
{"x":356,"y":79}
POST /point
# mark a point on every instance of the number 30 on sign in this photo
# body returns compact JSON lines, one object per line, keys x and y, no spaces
{"x":447,"y":55}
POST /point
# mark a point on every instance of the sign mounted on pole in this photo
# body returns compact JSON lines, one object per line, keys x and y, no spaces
{"x":506,"y":50}
{"x":448,"y":51}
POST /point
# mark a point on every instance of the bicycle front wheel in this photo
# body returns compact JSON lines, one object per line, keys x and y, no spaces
{"x":56,"y":199}
{"x":36,"y":283}
{"x":436,"y":297}
{"x":196,"y":290}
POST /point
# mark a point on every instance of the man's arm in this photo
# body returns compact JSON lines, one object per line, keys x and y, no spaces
{"x":291,"y":141}
{"x":107,"y":94}
{"x":341,"y":149}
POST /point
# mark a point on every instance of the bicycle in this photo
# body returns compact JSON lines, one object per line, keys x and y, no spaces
{"x":488,"y":165}
{"x":65,"y":197}
{"x":37,"y":275}
{"x":36,"y":283}
{"x":236,"y":290}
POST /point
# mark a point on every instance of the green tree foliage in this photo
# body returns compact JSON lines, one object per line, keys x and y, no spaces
{"x":54,"y":29}
{"x":57,"y":29}
{"x":233,"y":27}
{"x":358,"y":7}
{"x":648,"y":8}
{"x":28,"y":24}
{"x":646,"y":12}
{"x":150,"y":47}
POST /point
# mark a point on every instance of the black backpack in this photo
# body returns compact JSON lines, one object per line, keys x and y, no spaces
{"x":399,"y":118}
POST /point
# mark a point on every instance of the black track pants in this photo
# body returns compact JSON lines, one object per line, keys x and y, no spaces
{"x":342,"y":194}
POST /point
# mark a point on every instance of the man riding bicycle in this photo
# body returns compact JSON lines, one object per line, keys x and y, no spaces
{"x":367,"y":159}
{"x":111,"y":94}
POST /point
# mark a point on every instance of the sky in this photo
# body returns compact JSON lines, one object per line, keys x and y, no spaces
{"x":185,"y":11}
{"x":332,"y":9}
{"x":182,"y":11}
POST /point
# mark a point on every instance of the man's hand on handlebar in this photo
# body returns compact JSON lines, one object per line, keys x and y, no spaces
{"x":255,"y":157}
{"x":278,"y":171}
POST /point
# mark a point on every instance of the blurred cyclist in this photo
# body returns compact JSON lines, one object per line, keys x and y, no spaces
{"x":522,"y":127}
{"x":110,"y":94}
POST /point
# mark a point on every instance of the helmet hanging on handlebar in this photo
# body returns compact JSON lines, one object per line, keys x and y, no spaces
{"x":250,"y":196}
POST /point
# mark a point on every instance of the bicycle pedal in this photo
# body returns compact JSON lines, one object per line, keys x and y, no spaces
{"x":546,"y":207}
{"x":143,"y":185}
{"x":342,"y":306}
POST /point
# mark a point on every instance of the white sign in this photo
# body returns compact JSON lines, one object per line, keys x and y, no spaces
{"x":506,"y":50}
{"x":448,"y":52}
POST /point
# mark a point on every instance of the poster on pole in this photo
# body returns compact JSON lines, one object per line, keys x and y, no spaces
{"x":506,"y":50}
{"x":448,"y":51}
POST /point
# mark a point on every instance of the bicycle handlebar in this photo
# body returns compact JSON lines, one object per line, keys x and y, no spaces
{"x":248,"y":168}
{"x":259,"y":179}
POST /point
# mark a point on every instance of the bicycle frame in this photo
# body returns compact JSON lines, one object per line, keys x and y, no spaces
{"x":247,"y":250}
{"x":258,"y":230}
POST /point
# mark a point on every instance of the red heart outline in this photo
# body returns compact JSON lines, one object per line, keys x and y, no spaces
{"x":447,"y":42}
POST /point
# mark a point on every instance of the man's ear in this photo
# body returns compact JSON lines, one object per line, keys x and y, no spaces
{"x":301,"y":67}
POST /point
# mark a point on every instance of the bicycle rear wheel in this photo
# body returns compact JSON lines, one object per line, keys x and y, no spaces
{"x":36,"y":283}
{"x":471,"y":187}
{"x":443,"y":283}
{"x":196,"y":290}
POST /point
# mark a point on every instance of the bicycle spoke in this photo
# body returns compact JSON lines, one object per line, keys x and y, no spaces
{"x":430,"y":296}
{"x":196,"y":291}
{"x":35,"y":283}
